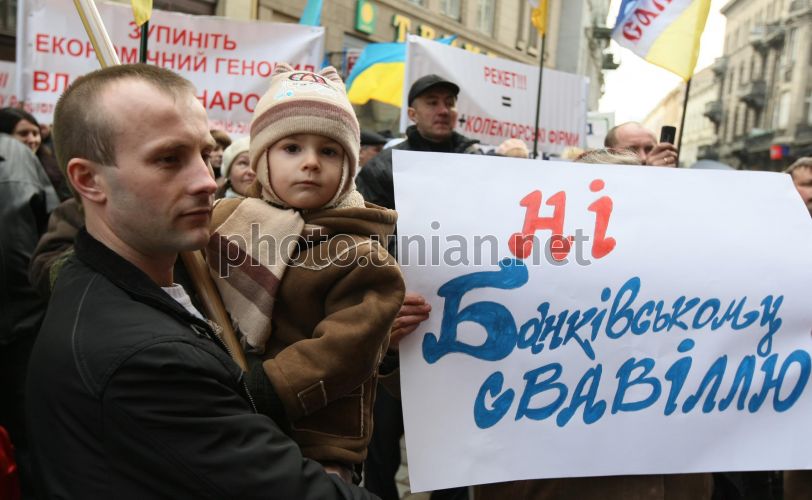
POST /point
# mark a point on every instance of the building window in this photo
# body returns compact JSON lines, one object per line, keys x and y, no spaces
{"x":451,"y":8}
{"x":781,"y":120}
{"x":196,"y":7}
{"x":792,"y":45}
{"x":484,"y":16}
{"x":809,"y":106}
{"x":8,"y":17}
{"x":417,"y":2}
{"x":731,"y":78}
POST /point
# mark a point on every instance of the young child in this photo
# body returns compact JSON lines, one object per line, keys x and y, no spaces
{"x":303,"y":269}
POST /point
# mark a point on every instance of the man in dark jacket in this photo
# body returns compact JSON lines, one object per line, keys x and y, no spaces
{"x":433,"y":109}
{"x":26,"y":197}
{"x":132,"y":392}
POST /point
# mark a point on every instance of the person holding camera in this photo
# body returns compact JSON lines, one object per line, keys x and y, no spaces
{"x":642,"y":142}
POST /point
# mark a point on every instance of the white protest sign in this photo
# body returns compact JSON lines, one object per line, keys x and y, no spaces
{"x":598,"y":126}
{"x":665,"y":330}
{"x":228,"y":61}
{"x":497,"y":99}
{"x":8,"y":75}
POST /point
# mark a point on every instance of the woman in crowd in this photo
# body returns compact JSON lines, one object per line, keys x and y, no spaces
{"x":236,"y":171}
{"x":24,"y":127}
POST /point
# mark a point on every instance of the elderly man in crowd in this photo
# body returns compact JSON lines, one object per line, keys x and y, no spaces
{"x":643,"y":143}
{"x":131,"y":390}
{"x":801,"y":172}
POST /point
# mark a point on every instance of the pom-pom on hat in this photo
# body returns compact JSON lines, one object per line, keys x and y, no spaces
{"x":302,"y":102}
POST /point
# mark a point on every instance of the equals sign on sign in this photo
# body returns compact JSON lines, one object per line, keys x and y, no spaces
{"x":506,"y":101}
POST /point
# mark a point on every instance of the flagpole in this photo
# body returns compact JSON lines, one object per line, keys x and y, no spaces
{"x":144,"y":42}
{"x":682,"y":120}
{"x":538,"y":98}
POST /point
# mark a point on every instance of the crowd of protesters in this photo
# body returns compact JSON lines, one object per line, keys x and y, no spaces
{"x":126,"y":388}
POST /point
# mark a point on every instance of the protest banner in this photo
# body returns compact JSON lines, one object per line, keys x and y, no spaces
{"x":659,"y":322}
{"x":497,"y":99}
{"x":228,"y":61}
{"x":8,"y":76}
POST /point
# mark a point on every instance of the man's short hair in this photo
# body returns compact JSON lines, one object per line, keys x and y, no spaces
{"x":82,"y":130}
{"x":803,"y":162}
{"x":609,"y":156}
{"x":611,"y":140}
{"x":221,"y":138}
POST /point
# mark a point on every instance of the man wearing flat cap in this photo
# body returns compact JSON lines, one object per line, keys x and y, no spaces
{"x":433,"y":109}
{"x":371,"y":144}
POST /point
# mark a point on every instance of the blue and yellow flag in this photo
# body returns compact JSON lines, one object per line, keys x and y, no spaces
{"x":538,"y":15}
{"x":142,"y":11}
{"x":663,"y":33}
{"x":378,"y":73}
{"x":311,"y":15}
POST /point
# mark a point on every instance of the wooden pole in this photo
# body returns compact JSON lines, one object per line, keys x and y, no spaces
{"x":142,"y":56}
{"x":91,"y":20}
{"x":682,"y":120}
{"x":212,"y":303}
{"x":538,"y":99}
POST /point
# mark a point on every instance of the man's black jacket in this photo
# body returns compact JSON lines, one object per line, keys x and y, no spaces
{"x":130,"y":396}
{"x":374,"y":181}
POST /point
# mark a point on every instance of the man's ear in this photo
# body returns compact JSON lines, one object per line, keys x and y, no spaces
{"x":410,"y":112}
{"x":86,"y":178}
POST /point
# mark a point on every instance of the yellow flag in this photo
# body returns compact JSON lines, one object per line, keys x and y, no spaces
{"x":538,"y":15}
{"x":142,"y":10}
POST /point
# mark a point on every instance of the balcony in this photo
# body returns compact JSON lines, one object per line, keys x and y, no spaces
{"x":759,"y":140}
{"x":775,"y":36}
{"x":803,"y":133}
{"x":708,"y":152}
{"x":754,"y":94}
{"x":766,"y":36}
{"x":601,"y":33}
{"x":798,"y":7}
{"x":719,"y":67}
{"x":713,"y":110}
{"x":738,"y":149}
{"x":609,"y":62}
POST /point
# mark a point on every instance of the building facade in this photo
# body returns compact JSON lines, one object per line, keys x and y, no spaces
{"x":763,"y":115}
{"x":582,"y":41}
{"x":576,"y":40}
{"x":667,"y":112}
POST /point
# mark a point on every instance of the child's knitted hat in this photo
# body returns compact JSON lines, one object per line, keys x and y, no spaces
{"x":301,"y":102}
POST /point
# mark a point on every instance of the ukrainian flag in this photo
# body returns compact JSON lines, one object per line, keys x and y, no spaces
{"x":378,"y":73}
{"x":663,"y":33}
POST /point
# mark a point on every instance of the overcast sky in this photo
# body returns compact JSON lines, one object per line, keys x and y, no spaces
{"x":637,"y":86}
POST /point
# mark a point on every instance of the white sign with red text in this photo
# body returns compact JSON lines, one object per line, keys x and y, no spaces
{"x":497,"y":99}
{"x":8,"y":75}
{"x":228,"y":61}
{"x":601,"y":320}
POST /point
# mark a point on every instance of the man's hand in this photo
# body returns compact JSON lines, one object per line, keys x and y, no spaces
{"x":343,"y":472}
{"x":664,"y":154}
{"x":414,"y":311}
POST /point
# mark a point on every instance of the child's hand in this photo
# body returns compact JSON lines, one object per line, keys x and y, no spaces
{"x":414,"y":311}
